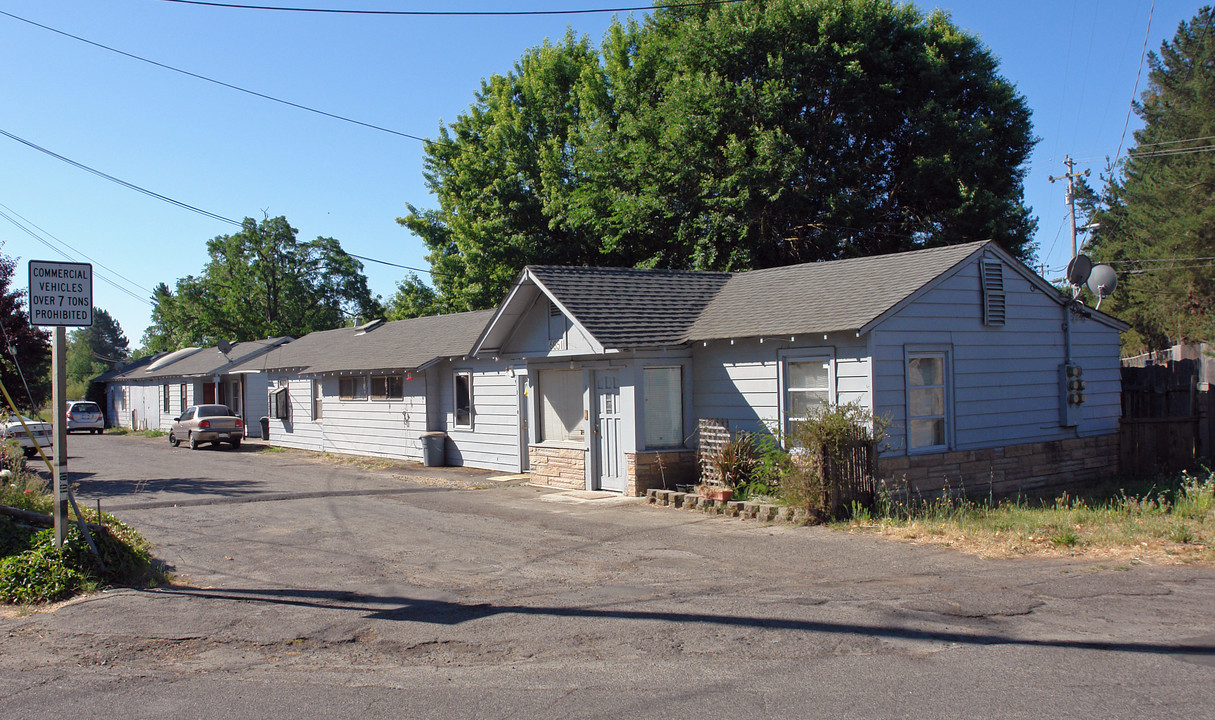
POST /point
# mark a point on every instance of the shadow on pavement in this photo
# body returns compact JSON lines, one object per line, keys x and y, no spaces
{"x":453,"y":613}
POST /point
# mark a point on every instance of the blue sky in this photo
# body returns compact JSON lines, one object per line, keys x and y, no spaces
{"x":240,"y":156}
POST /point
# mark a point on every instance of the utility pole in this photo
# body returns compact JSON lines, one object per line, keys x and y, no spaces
{"x":1071,"y":176}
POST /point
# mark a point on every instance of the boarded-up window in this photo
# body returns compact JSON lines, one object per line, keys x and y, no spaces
{"x":994,"y":305}
{"x":352,"y":388}
{"x":561,"y":407}
{"x":926,"y":404}
{"x":464,"y":399}
{"x":663,"y":407}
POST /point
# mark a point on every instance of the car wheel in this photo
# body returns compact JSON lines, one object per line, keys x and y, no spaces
{"x":173,"y":439}
{"x":193,"y":442}
{"x":235,"y":444}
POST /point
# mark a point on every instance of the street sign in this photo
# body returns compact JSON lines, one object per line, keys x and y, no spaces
{"x":61,"y":293}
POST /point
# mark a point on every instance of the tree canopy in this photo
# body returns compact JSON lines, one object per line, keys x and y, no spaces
{"x":25,"y":356}
{"x":94,"y":350}
{"x":729,"y":137}
{"x":261,"y":282}
{"x":1157,"y":211}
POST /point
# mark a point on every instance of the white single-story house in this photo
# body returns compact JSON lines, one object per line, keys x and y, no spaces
{"x":598,"y":378}
{"x":152,"y":395}
{"x":961,"y":349}
{"x":375,"y":389}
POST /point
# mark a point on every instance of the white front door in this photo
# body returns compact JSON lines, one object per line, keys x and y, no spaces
{"x":609,"y":454}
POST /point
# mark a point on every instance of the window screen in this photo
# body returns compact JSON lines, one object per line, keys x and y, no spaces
{"x":663,"y":407}
{"x":561,"y":412}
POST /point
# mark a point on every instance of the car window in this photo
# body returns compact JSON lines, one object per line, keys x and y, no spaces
{"x":213,"y":411}
{"x":86,"y":407}
{"x":188,"y":415}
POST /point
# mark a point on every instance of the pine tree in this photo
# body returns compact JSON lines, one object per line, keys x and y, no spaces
{"x":1157,"y":226}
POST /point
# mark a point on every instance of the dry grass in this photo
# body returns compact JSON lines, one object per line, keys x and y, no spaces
{"x":1173,"y":522}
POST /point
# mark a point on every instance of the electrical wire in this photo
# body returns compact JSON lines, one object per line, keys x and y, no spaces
{"x":216,"y":82}
{"x":123,"y":183}
{"x":1135,"y":91}
{"x":459,"y":13}
{"x":99,"y":276}
{"x":34,"y":225}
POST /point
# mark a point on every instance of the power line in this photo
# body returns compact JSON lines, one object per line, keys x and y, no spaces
{"x":403,"y":267}
{"x":460,"y":13}
{"x":123,"y":183}
{"x":214,"y":81}
{"x":64,"y":243}
{"x":1138,"y":74}
{"x":66,"y":256}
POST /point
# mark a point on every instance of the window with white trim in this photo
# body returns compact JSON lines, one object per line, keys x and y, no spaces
{"x":562,"y":419}
{"x":663,"y":400}
{"x":464,"y":398}
{"x":927,"y":406}
{"x":166,"y":398}
{"x":182,"y":392}
{"x":318,"y":398}
{"x":352,"y":388}
{"x":807,"y":388}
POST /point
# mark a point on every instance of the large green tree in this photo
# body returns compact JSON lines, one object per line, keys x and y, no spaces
{"x":729,"y":137}
{"x":261,"y":282}
{"x":94,"y":350}
{"x":25,"y":351}
{"x":1157,"y":222}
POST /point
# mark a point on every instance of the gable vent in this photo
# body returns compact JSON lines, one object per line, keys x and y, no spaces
{"x":994,"y":305}
{"x":553,"y":310}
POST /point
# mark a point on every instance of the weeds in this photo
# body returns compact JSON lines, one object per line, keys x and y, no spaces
{"x":1171,"y":518}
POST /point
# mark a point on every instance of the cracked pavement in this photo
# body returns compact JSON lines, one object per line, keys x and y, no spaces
{"x":306,"y":587}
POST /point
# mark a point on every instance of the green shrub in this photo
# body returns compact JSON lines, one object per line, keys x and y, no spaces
{"x":830,"y":466}
{"x":40,"y":574}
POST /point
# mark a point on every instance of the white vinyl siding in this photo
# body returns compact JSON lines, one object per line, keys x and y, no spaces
{"x":663,"y":407}
{"x":494,"y":441}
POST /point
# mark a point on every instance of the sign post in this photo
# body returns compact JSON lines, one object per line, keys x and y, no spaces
{"x":61,"y":296}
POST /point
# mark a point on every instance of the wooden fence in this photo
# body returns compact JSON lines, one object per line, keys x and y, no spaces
{"x":1166,"y":418}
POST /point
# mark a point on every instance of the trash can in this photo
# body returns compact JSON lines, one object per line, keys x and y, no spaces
{"x":265,"y":423}
{"x":434,"y":448}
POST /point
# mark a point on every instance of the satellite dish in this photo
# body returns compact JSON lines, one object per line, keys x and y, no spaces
{"x":224,"y":346}
{"x":1079,"y":269}
{"x":1103,"y":281}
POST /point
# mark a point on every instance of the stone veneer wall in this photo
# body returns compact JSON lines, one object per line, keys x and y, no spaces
{"x":555,"y":466}
{"x":661,"y":469}
{"x":1032,"y":468}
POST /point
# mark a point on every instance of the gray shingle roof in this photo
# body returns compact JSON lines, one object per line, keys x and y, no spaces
{"x":399,"y":345}
{"x":824,"y":296}
{"x":210,"y":361}
{"x":626,"y":307}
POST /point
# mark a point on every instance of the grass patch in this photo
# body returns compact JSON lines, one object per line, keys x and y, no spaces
{"x":33,"y":570}
{"x":1171,"y":520}
{"x":273,"y":449}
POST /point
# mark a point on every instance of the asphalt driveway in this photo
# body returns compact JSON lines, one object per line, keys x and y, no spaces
{"x":308,"y":588}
